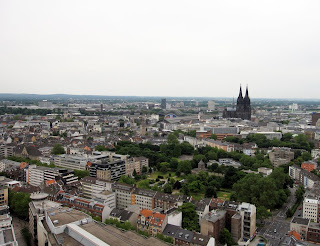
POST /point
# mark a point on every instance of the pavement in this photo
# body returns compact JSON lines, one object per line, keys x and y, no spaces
{"x":18,"y":224}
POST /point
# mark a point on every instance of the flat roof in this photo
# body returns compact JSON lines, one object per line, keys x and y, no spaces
{"x":64,"y":215}
{"x":114,"y":236}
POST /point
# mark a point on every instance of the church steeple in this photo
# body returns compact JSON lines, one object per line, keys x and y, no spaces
{"x":240,"y":98}
{"x":247,"y":98}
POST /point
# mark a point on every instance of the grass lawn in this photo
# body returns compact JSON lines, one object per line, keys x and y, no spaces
{"x":224,"y":195}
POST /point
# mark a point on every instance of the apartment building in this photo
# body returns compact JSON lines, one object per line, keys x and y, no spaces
{"x":151,"y":222}
{"x":186,"y":237}
{"x":307,"y":179}
{"x":123,"y":194}
{"x":281,"y":155}
{"x":108,"y":171}
{"x":6,"y":150}
{"x":309,"y":165}
{"x":36,"y":175}
{"x":7,"y":235}
{"x":91,"y":186}
{"x":136,"y":163}
{"x":166,"y":201}
{"x":213,"y":223}
{"x":71,"y":162}
{"x":3,"y":195}
{"x":143,"y":198}
{"x":37,"y":208}
{"x":248,"y":215}
{"x":311,"y":208}
{"x":8,"y":164}
{"x":91,"y":206}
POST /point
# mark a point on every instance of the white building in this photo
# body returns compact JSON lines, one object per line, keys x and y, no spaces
{"x":310,"y":209}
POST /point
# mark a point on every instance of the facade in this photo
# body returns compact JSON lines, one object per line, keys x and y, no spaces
{"x":6,"y":151}
{"x":243,"y":108}
{"x":37,"y":208}
{"x":108,"y":171}
{"x":248,"y":215}
{"x":213,"y":223}
{"x":311,"y":209}
{"x":143,"y":198}
{"x":91,"y":186}
{"x":36,"y":175}
{"x":3,"y":195}
{"x":71,"y":162}
{"x":123,"y":194}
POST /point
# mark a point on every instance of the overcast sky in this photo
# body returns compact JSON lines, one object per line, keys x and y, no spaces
{"x":161,"y":48}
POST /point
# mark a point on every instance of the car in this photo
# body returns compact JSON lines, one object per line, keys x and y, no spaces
{"x":275,"y":230}
{"x":300,"y":208}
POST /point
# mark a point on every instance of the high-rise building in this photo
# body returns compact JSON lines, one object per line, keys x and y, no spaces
{"x":315,"y":118}
{"x":163,"y":103}
{"x":211,"y":105}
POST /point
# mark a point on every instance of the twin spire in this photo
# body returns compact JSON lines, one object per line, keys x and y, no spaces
{"x":240,"y":97}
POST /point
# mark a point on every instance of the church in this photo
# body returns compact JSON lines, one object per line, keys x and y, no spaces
{"x":243,"y":108}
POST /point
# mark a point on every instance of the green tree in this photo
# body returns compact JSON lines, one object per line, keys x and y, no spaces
{"x":81,"y":173}
{"x":126,"y":179}
{"x":19,"y":203}
{"x":189,"y":217}
{"x":167,"y":188}
{"x":226,"y":237}
{"x":306,"y":156}
{"x":172,"y":139}
{"x":263,"y":213}
{"x":58,"y":150}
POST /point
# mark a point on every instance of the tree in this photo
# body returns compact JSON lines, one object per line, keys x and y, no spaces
{"x":306,"y":156}
{"x":19,"y":203}
{"x":81,"y":173}
{"x":226,"y":237}
{"x":213,"y":136}
{"x":189,"y":217}
{"x":126,"y":179}
{"x":58,"y":150}
{"x":167,"y":188}
{"x":144,"y":169}
{"x":263,"y":213}
{"x":211,"y":192}
{"x":172,"y":139}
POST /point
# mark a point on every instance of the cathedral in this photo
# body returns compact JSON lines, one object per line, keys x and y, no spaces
{"x":243,"y":108}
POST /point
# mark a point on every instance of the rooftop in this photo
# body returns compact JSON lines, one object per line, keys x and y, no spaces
{"x":300,"y":221}
{"x":63,"y":215}
{"x":114,"y":236}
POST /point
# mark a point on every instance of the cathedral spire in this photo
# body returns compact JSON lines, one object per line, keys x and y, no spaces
{"x":247,"y":92}
{"x":240,"y":93}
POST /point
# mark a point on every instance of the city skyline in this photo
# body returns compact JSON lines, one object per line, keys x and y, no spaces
{"x":177,"y":49}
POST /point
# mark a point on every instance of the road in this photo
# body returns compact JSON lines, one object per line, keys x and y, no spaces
{"x":277,"y":226}
{"x":18,"y":224}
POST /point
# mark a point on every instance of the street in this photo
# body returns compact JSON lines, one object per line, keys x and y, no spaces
{"x":18,"y":224}
{"x":277,"y":226}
